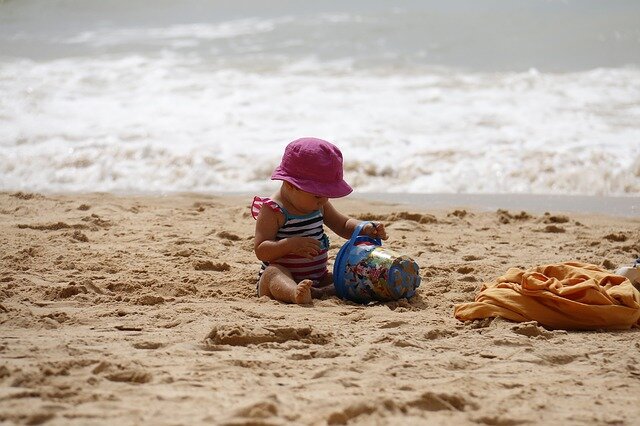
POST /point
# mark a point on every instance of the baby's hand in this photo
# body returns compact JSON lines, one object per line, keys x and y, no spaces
{"x":304,"y":246}
{"x":375,"y":230}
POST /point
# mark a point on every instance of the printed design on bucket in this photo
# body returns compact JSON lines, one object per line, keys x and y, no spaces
{"x":365,"y":272}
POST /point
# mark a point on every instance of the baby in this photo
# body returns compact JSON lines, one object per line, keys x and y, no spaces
{"x":289,"y":238}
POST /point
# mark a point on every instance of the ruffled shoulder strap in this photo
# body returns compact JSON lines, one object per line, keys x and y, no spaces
{"x":258,"y":202}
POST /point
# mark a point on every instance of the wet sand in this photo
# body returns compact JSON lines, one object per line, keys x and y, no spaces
{"x":142,"y":309}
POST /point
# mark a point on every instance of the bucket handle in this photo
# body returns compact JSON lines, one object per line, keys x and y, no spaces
{"x":356,"y":234}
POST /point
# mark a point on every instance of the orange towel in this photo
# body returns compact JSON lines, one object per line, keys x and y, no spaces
{"x":569,"y":295}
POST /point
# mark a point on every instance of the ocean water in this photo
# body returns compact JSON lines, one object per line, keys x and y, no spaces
{"x":462,"y":96}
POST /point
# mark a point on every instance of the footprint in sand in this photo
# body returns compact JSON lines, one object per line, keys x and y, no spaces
{"x":256,"y":413}
{"x":130,"y":376}
{"x":427,"y":401}
{"x":123,"y":287}
{"x":150,"y":300}
{"x":119,"y":373}
{"x":184,"y":253}
{"x":471,"y":257}
{"x":554,"y":229}
{"x":560,"y":358}
{"x":258,"y":410}
{"x":207,"y":265}
{"x":439,"y":333}
{"x":243,"y":336}
{"x":392,"y":324}
{"x":351,"y":412}
{"x":432,"y":401}
{"x":618,"y":237}
{"x":465,"y":269}
{"x":59,"y":317}
{"x":468,"y":279}
{"x":71,"y":290}
{"x":147,"y":345}
{"x":531,"y":329}
{"x":228,"y":236}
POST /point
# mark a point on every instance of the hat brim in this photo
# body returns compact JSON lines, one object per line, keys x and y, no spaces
{"x":336,"y":189}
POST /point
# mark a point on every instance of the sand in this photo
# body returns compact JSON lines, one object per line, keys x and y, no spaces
{"x":142,"y":310}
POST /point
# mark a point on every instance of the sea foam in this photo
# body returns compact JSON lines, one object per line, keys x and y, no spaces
{"x":211,"y":106}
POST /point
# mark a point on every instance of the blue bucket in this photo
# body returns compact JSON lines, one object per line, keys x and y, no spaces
{"x":365,"y":272}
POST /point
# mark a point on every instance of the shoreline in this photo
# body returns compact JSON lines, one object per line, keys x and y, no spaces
{"x":623,"y":206}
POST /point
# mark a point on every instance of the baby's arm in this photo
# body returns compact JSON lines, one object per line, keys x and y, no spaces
{"x":268,"y":249}
{"x":344,"y":225}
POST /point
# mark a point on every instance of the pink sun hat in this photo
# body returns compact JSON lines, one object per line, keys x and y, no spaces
{"x":315,"y":166}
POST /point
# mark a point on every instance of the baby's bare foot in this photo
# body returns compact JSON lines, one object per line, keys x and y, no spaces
{"x":303,"y":292}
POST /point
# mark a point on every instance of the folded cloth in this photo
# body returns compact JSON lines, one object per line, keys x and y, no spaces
{"x":569,"y":295}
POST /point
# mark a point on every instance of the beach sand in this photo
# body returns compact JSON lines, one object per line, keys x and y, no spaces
{"x":142,"y":310}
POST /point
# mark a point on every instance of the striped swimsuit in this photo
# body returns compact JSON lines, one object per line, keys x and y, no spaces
{"x":309,"y":225}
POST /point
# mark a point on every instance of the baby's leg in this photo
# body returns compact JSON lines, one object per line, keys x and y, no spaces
{"x":276,"y":282}
{"x":325,"y":288}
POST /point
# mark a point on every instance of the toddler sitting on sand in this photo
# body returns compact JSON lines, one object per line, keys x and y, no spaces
{"x":289,"y":236}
